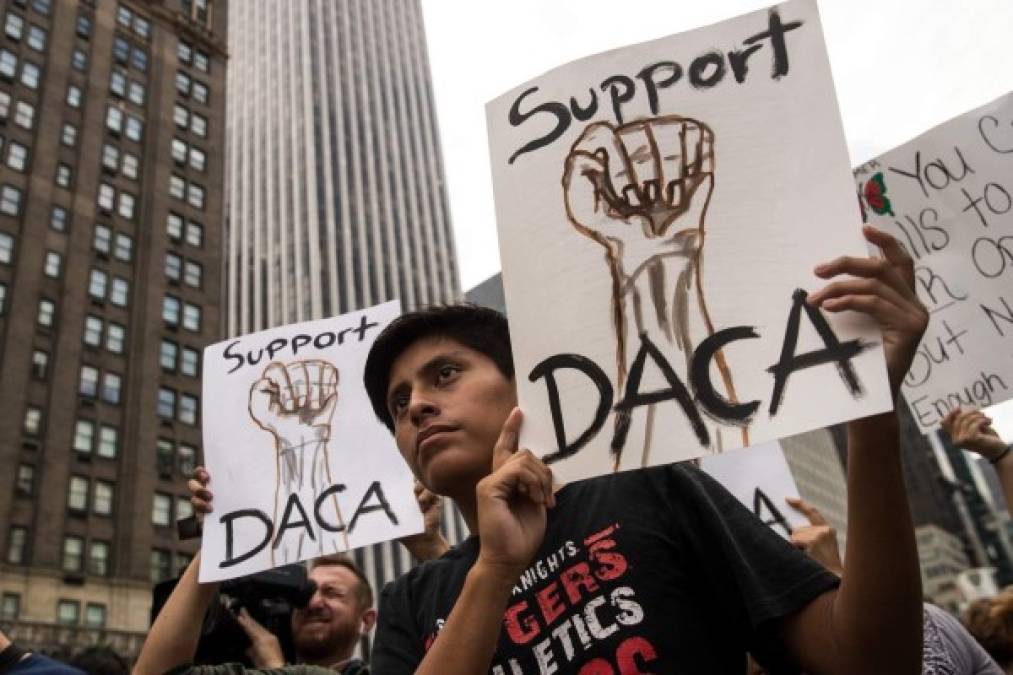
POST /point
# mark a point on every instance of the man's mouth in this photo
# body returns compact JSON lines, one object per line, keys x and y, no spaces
{"x":431,"y":432}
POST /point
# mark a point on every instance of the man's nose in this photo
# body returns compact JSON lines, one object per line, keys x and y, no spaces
{"x":421,"y":407}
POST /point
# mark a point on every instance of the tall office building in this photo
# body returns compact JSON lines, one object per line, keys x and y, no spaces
{"x":336,"y":198}
{"x":111,"y":128}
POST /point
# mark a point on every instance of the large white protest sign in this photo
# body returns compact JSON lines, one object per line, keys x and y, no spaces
{"x":661,"y":209}
{"x":761,"y":479}
{"x":300,"y":466}
{"x":948,"y":197}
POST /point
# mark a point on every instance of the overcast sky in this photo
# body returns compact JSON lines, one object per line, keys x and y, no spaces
{"x":897,"y":73}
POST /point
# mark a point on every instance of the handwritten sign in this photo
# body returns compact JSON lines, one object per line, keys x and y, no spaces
{"x":761,"y":479}
{"x":300,"y":467}
{"x":661,"y":208}
{"x":948,"y":197}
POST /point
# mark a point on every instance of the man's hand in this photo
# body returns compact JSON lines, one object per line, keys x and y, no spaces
{"x":429,"y":544}
{"x":883,"y":288}
{"x":512,"y":503}
{"x":200,"y":495}
{"x":817,"y":540}
{"x":265,"y":649}
{"x":972,"y":430}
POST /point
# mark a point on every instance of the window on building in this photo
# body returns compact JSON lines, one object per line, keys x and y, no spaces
{"x":124,"y":247}
{"x":124,"y":16}
{"x":121,"y":50}
{"x":64,"y":176}
{"x":112,"y":388}
{"x":195,"y":195}
{"x":181,"y":116}
{"x":17,"y":156}
{"x":53,"y":263}
{"x":187,"y":459}
{"x":139,"y":59}
{"x":168,"y":354}
{"x":73,"y":96}
{"x":141,"y":27}
{"x":182,"y":83}
{"x":164,"y":458}
{"x":161,"y":565}
{"x":188,"y":409}
{"x":161,"y":509}
{"x":200,"y":92}
{"x":83,"y":27}
{"x":191,"y":317}
{"x":198,"y":125}
{"x":32,"y":424}
{"x":114,"y":120}
{"x":178,"y":150}
{"x":84,"y":434}
{"x":5,"y":105}
{"x":171,"y":310}
{"x":192,"y":273}
{"x":98,"y":283}
{"x":108,"y":442}
{"x":37,"y":38}
{"x":115,"y":338}
{"x":10,"y":200}
{"x":127,"y":202}
{"x":10,"y":606}
{"x":17,"y":545}
{"x":73,"y":558}
{"x":47,"y":313}
{"x":40,"y":364}
{"x":135,"y":92}
{"x":102,"y":498}
{"x":30,"y":75}
{"x":173,"y":266}
{"x":79,"y":59}
{"x":77,"y":494}
{"x":68,"y":135}
{"x":190,"y":362}
{"x":25,"y":483}
{"x":110,"y":158}
{"x":8,"y":64}
{"x":131,"y":166}
{"x":98,"y":563}
{"x":93,"y":331}
{"x":184,"y":51}
{"x":6,"y":248}
{"x":102,"y":240}
{"x":166,"y":403}
{"x":42,"y":6}
{"x":184,"y":509}
{"x":95,"y":615}
{"x":177,"y":187}
{"x":58,"y":219}
{"x":174,"y":226}
{"x":14,"y":26}
{"x":118,"y":82}
{"x":68,"y":612}
{"x":24,"y":115}
{"x":198,"y":160}
{"x":88,"y":383}
{"x":202,"y":61}
{"x":120,"y":293}
{"x":106,"y":197}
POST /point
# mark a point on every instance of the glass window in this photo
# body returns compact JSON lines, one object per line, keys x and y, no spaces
{"x":110,"y":158}
{"x":195,"y":195}
{"x":24,"y":115}
{"x":200,"y":92}
{"x":73,"y":96}
{"x":161,"y":509}
{"x":68,"y":135}
{"x":77,"y":496}
{"x":124,"y":247}
{"x":47,"y":311}
{"x":187,"y":459}
{"x":64,"y":176}
{"x":177,"y":187}
{"x":25,"y":484}
{"x":5,"y":105}
{"x":93,"y":331}
{"x":79,"y":59}
{"x":184,"y":51}
{"x":201,"y":61}
{"x":182,"y":83}
{"x":161,"y":565}
{"x":102,"y":239}
{"x":98,"y":560}
{"x":10,"y":607}
{"x":3,"y":298}
{"x":121,"y":49}
{"x":17,"y":156}
{"x":191,"y":317}
{"x":40,"y":364}
{"x":173,"y":266}
{"x":170,"y":310}
{"x":88,"y":385}
{"x":102,"y":498}
{"x":178,"y":150}
{"x":120,"y":295}
{"x":42,"y":6}
{"x":198,"y":159}
{"x":192,"y":274}
{"x":173,"y":227}
{"x":164,"y":457}
{"x":53,"y":261}
{"x":181,"y":116}
{"x":198,"y":125}
{"x":30,"y":74}
{"x":131,"y":165}
{"x":114,"y":119}
{"x":14,"y":26}
{"x":118,"y":82}
{"x":167,"y":355}
{"x":33,"y":420}
{"x":166,"y":403}
{"x":58,"y":219}
{"x":97,"y":284}
{"x":83,"y":27}
{"x":84,"y":434}
{"x":6,"y":248}
{"x":95,"y":615}
{"x":115,"y":338}
{"x":135,"y":128}
{"x":111,"y":388}
{"x":139,"y":59}
{"x":68,"y":612}
{"x":188,"y":406}
{"x":106,"y":196}
{"x":10,"y":200}
{"x":108,"y":442}
{"x":142,"y":27}
{"x":184,"y":509}
{"x":190,"y":363}
{"x":37,"y":38}
{"x":124,"y":16}
{"x":17,"y":545}
{"x":127,"y":202}
{"x":8,"y":64}
{"x":136,"y":93}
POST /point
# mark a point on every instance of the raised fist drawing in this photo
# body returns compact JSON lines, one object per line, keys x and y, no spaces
{"x":295,"y":403}
{"x":641,"y":190}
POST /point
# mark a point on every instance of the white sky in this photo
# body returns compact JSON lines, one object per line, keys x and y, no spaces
{"x":898,"y":73}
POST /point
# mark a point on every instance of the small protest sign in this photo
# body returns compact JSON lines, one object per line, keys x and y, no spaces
{"x":661,"y":208}
{"x":761,"y":479}
{"x":300,"y":466}
{"x":948,"y":197}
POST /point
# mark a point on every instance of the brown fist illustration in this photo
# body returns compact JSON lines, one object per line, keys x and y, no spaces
{"x":295,"y":401}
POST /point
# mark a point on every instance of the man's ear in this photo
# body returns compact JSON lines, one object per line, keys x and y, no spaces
{"x":368,"y":621}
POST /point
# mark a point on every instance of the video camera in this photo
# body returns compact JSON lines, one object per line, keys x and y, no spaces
{"x":268,"y":596}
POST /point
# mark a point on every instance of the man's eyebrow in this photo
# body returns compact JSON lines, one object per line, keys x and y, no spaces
{"x":427,"y":369}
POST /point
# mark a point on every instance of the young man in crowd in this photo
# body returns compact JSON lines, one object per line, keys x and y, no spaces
{"x":658,"y":570}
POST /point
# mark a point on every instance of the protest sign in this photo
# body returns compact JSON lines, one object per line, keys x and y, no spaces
{"x":948,"y":197}
{"x":661,"y":208}
{"x":759,"y":478}
{"x":300,"y":466}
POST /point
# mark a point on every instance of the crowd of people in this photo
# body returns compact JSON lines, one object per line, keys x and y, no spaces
{"x":658,"y":570}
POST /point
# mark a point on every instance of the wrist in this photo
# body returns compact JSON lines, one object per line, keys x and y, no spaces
{"x":1002,"y":457}
{"x":495,"y":575}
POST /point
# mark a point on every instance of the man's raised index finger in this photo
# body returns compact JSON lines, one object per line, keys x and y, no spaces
{"x":506,"y":444}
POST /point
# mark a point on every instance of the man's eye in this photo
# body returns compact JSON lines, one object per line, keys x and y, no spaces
{"x":446,"y":372}
{"x":398,"y":404}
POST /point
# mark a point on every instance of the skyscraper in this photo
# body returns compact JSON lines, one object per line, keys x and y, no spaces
{"x":335,"y":190}
{"x":111,"y":122}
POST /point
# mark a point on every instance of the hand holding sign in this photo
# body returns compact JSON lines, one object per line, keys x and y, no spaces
{"x":972,"y":430}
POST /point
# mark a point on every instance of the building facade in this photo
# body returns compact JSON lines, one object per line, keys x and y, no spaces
{"x":111,"y":128}
{"x":335,"y":191}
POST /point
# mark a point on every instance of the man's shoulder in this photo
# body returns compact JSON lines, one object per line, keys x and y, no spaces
{"x":452,"y":564}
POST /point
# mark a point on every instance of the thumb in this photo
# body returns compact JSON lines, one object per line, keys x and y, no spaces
{"x":506,"y":444}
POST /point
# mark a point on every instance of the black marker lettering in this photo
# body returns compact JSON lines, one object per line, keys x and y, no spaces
{"x":300,"y":340}
{"x":713,"y":402}
{"x":517,"y":118}
{"x":611,"y":84}
{"x":293,"y":501}
{"x":547,"y":369}
{"x":652,"y":85}
{"x":375,"y":490}
{"x":332,"y":490}
{"x":776,"y":32}
{"x":229,"y":354}
{"x":228,"y":520}
{"x":699,"y":67}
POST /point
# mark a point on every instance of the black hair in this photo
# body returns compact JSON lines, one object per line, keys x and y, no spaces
{"x":480,"y":328}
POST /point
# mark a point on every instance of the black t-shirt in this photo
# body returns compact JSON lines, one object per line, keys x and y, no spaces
{"x":652,"y":571}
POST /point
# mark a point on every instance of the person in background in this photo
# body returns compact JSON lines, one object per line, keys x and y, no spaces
{"x":15,"y":660}
{"x":99,"y":660}
{"x":972,"y":430}
{"x":949,"y":649}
